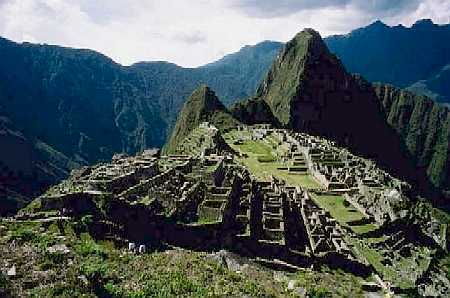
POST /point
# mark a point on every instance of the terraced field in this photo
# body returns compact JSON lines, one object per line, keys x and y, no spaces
{"x":262,"y":160}
{"x":344,"y":213}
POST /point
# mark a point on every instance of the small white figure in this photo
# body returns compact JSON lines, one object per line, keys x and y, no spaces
{"x":142,"y":249}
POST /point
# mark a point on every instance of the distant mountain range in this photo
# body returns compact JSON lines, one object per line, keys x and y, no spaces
{"x":417,"y":58}
{"x":69,"y":107}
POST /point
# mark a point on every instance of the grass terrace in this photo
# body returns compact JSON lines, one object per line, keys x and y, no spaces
{"x":261,"y":160}
{"x":343,"y":212}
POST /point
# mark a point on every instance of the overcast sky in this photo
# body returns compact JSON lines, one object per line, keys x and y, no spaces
{"x":194,"y":32}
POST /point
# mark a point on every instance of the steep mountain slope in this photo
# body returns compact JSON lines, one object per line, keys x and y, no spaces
{"x":397,"y":55}
{"x":89,"y":107}
{"x":202,"y":106}
{"x":436,"y":87}
{"x":86,"y":107}
{"x":253,"y":111}
{"x":309,"y":90}
{"x":234,"y":77}
{"x":78,"y":101}
{"x":26,"y":167}
{"x":425,"y":128}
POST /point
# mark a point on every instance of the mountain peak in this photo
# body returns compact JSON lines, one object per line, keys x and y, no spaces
{"x":307,"y":32}
{"x":204,"y":100}
{"x":378,"y":23}
{"x":376,"y":26}
{"x":423,"y":23}
{"x":293,"y":64}
{"x":309,"y":90}
{"x":307,"y":36}
{"x":202,"y":106}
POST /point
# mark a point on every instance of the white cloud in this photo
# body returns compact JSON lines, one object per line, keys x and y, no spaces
{"x":270,"y":8}
{"x":190,"y":33}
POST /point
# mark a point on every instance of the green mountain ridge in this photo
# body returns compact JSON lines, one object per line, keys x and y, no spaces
{"x":86,"y":107}
{"x":425,"y":128}
{"x":202,"y":106}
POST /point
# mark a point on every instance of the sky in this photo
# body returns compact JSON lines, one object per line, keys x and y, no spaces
{"x":191,"y":33}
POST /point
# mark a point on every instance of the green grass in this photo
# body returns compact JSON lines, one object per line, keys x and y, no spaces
{"x":256,"y":148}
{"x":303,"y":180}
{"x":109,"y":271}
{"x":335,"y":205}
{"x":261,"y":163}
{"x":266,"y":158}
{"x":208,"y":218}
{"x":417,"y":263}
{"x":344,"y":214}
{"x":362,"y":229}
{"x":330,"y":283}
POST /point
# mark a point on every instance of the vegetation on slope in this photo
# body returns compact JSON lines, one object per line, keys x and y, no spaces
{"x":27,"y":165}
{"x":436,"y":87}
{"x":253,"y":111}
{"x":202,"y":106}
{"x":425,"y":128}
{"x":86,"y":107}
{"x":85,"y":266}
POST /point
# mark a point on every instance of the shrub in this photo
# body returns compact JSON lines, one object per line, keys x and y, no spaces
{"x":65,"y":290}
{"x":5,"y":290}
{"x":52,"y":259}
{"x":23,"y":234}
{"x":87,"y":247}
{"x":319,"y":292}
{"x":266,"y":158}
{"x":94,"y":269}
{"x":170,"y":284}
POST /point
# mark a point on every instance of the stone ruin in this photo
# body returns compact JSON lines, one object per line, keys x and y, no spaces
{"x":208,"y":200}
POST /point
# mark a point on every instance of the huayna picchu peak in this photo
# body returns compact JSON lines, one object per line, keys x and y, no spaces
{"x":309,"y":90}
{"x":198,"y":182}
